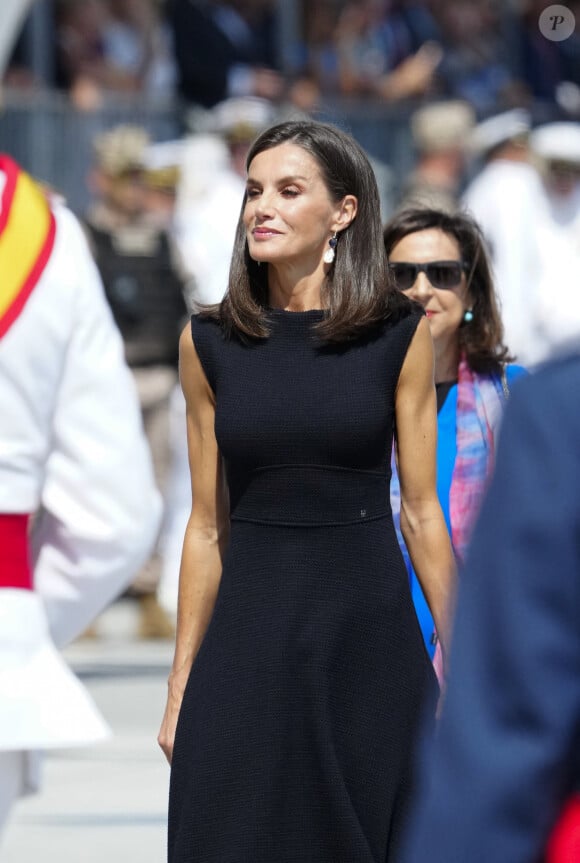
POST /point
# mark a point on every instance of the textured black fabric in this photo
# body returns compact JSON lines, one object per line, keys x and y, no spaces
{"x":294,"y":741}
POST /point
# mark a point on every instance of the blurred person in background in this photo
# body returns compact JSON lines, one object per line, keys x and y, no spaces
{"x":208,"y":199}
{"x":160,"y":178}
{"x":79,"y":510}
{"x":552,"y":311}
{"x":439,"y":131}
{"x":81,"y":66}
{"x":528,"y":200}
{"x":212,"y":184}
{"x":112,"y":46}
{"x":440,"y":261}
{"x":501,"y":781}
{"x":225,"y":49}
{"x":137,"y":40}
{"x":145,"y":288}
{"x":475,"y":65}
{"x":504,"y":197}
{"x":315,"y":57}
{"x":545,"y":64}
{"x":377,"y":56}
{"x":13,"y":16}
{"x":365,"y":49}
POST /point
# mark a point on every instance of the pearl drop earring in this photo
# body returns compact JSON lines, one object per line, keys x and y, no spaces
{"x":329,"y":254}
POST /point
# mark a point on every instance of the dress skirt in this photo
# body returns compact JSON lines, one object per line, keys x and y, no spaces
{"x":303,"y":703}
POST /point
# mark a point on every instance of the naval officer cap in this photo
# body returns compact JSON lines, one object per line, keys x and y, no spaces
{"x":557,"y":142}
{"x":494,"y":131}
{"x":241,"y":119}
{"x":162,"y":164}
{"x":120,"y":150}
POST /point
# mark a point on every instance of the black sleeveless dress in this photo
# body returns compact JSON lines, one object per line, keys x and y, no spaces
{"x":295,"y":738}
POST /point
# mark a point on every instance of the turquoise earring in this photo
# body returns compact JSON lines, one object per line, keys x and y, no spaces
{"x":468,"y":316}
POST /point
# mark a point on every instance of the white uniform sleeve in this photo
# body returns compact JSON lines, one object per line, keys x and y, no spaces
{"x":100,"y":508}
{"x":13,"y":14}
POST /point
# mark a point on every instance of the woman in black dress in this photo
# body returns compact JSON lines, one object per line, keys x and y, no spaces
{"x":300,"y":675}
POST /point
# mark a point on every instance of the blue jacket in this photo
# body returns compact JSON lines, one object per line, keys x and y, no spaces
{"x":505,"y":757}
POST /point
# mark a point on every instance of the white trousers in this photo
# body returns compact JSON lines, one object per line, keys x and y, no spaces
{"x":12,"y":782}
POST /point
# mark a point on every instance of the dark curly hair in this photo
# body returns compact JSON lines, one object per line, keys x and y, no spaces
{"x":482,"y":339}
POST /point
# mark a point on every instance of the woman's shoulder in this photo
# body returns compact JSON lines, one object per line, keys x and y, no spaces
{"x":403,"y":311}
{"x":398,"y":333}
{"x":207,"y":338}
{"x":206,"y":323}
{"x":514,"y":371}
{"x":206,"y":314}
{"x":401,"y":324}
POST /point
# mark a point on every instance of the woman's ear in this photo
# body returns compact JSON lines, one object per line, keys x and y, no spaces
{"x":346,"y":212}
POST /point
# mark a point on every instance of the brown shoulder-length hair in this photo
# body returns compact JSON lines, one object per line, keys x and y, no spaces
{"x":357,"y":292}
{"x":482,"y":338}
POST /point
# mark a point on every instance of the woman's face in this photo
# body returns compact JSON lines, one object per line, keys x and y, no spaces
{"x":444,"y":307}
{"x":289,"y":216}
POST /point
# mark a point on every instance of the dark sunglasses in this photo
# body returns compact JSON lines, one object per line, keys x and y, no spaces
{"x":444,"y":275}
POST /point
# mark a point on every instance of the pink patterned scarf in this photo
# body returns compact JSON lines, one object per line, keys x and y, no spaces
{"x":480,"y":402}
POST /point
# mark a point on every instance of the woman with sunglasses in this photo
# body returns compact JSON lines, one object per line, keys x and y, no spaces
{"x":440,"y":261}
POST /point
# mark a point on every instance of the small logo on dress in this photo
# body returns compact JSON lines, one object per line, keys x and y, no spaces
{"x":363,"y":513}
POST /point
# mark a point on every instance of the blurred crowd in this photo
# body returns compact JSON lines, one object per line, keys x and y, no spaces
{"x":487,"y":52}
{"x":164,"y":217}
{"x":493,"y":111}
{"x":494,"y":127}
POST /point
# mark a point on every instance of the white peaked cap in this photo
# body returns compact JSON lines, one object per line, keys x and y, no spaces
{"x":557,"y":142}
{"x":499,"y":129}
{"x":164,"y":154}
{"x":251,"y":112}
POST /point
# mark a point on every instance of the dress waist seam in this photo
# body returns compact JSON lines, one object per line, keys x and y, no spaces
{"x":312,"y":523}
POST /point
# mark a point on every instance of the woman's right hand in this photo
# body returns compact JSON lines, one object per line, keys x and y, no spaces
{"x":166,"y":736}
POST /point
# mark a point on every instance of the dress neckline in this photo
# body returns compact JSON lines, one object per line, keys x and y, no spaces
{"x":291,"y":315}
{"x":279,"y":311}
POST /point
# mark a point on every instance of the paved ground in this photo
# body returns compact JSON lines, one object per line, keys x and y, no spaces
{"x":105,"y":804}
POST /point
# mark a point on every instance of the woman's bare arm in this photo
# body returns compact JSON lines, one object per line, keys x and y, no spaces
{"x":205,"y":535}
{"x":422,"y":521}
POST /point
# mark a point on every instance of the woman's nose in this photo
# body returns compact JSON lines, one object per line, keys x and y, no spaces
{"x":263,"y":205}
{"x":421,"y":287}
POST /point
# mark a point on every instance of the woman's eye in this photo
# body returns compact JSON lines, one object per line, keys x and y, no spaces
{"x":252,"y":193}
{"x":290,"y":193}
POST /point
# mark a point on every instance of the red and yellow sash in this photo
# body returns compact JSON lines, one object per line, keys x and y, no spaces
{"x":27,"y":230}
{"x":15,"y":567}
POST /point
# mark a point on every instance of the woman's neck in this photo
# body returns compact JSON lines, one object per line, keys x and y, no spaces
{"x":446,"y":361}
{"x":294,"y":294}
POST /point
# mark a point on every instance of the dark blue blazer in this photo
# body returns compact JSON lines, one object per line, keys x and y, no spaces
{"x":506,"y":753}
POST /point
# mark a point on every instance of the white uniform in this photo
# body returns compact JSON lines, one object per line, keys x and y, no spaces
{"x":207,"y":212}
{"x":72,"y":455}
{"x":504,"y":199}
{"x":556,"y":306}
{"x":208,"y":207}
{"x":13,"y":15}
{"x":534,"y":233}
